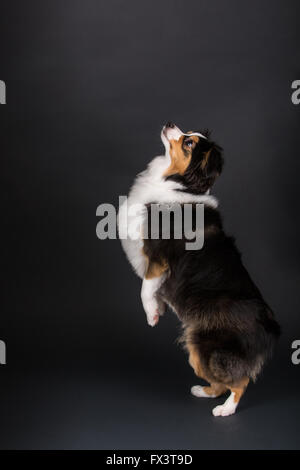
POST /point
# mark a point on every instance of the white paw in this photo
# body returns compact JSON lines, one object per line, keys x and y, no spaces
{"x":149,"y":300}
{"x":228,"y":408}
{"x":199,"y":392}
{"x":223,"y":410}
{"x":152,"y":311}
{"x":152,"y":319}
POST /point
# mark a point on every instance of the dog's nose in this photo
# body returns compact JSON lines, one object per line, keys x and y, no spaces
{"x":170,"y":124}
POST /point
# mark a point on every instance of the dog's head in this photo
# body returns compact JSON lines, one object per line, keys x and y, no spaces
{"x":195,"y":161}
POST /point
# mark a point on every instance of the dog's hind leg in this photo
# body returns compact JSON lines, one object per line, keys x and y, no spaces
{"x":215,"y":389}
{"x":228,"y":408}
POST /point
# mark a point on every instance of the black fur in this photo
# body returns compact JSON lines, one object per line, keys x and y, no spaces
{"x":223,"y":314}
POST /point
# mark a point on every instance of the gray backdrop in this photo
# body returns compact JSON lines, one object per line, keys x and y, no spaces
{"x":89,"y":85}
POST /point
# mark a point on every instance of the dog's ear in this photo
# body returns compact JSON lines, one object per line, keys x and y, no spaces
{"x":210,"y":165}
{"x":212,"y":162}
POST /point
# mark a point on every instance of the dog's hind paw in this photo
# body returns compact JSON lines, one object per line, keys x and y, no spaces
{"x":228,"y":408}
{"x":199,"y":392}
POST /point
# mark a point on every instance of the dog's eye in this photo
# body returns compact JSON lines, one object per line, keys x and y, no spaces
{"x":189,"y":143}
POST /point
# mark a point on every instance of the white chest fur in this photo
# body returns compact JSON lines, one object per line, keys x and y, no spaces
{"x":150,"y":186}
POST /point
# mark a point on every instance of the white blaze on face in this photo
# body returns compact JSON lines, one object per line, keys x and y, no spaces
{"x":174,"y":133}
{"x":167,"y":134}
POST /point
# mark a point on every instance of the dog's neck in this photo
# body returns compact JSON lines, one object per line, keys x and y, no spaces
{"x":152,"y":186}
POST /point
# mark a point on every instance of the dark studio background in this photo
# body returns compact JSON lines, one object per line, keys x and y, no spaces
{"x":89,"y":85}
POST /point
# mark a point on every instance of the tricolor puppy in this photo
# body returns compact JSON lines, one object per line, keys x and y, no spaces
{"x":228,"y":329}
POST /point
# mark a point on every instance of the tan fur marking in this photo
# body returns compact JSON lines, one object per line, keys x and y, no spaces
{"x":215,"y":389}
{"x":154,"y":268}
{"x":239,"y":389}
{"x":205,"y":159}
{"x":180,"y":157}
{"x":194,"y":360}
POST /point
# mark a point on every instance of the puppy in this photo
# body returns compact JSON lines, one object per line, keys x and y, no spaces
{"x":229,"y":331}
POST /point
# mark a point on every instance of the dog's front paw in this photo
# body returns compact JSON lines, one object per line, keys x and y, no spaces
{"x":153,"y":319}
{"x":152,"y":311}
{"x":150,"y":301}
